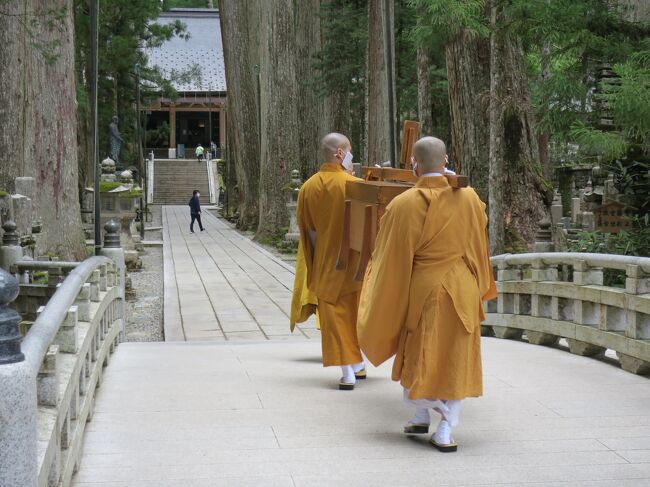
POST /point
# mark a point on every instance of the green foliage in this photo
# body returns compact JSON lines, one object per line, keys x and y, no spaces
{"x":635,"y":243}
{"x":125,"y":26}
{"x":3,"y":194}
{"x":444,"y":19}
{"x":106,"y":186}
{"x":610,"y":145}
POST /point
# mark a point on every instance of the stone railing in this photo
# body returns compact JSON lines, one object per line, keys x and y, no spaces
{"x":150,"y":178}
{"x":48,"y":381}
{"x":209,"y":165}
{"x":549,"y":296}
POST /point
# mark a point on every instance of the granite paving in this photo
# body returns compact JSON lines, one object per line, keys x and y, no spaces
{"x":266,"y":413}
{"x":220,"y":285}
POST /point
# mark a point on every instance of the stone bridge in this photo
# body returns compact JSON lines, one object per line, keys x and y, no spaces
{"x":233,"y":399}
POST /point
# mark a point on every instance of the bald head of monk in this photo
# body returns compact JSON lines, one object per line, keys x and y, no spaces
{"x":334,"y":146}
{"x":430,"y":154}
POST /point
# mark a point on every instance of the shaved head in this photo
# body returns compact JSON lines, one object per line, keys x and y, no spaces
{"x":430,"y":154}
{"x":331,"y":143}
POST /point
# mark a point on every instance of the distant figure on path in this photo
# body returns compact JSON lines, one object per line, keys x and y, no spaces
{"x":423,"y":292}
{"x":320,"y":218}
{"x":195,"y":210}
{"x":199,"y":152}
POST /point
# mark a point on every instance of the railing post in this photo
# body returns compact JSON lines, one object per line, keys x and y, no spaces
{"x":18,"y":447}
{"x":11,"y":251}
{"x":113,"y":250}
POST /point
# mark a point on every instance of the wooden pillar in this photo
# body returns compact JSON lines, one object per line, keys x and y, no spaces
{"x":222,"y":127}
{"x":172,"y":128}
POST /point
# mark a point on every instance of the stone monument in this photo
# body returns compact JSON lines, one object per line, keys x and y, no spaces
{"x":293,"y":188}
{"x":108,"y":170}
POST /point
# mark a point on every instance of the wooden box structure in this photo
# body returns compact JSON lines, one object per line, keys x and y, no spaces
{"x":365,"y":204}
{"x":614,"y":217}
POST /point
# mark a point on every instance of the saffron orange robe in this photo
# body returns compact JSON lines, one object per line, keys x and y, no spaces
{"x":320,"y":209}
{"x":303,"y":301}
{"x":423,"y":291}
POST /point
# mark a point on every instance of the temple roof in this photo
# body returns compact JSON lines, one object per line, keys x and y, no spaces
{"x":203,"y":49}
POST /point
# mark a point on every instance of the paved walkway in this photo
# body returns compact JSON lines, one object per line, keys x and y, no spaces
{"x":255,"y":407}
{"x":267,"y":414}
{"x":221,"y":286}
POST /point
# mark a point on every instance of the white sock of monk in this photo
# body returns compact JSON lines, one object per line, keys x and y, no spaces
{"x":348,"y":374}
{"x":421,"y":416}
{"x":358,"y":367}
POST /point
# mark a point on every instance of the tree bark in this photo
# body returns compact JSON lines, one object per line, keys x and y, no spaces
{"x":496,"y":114}
{"x":468,"y":73}
{"x":311,"y":107}
{"x":544,"y":137}
{"x":524,"y":188}
{"x":279,"y":147}
{"x":499,"y":153}
{"x":378,"y":89}
{"x":42,"y":121}
{"x":424,"y":91}
{"x":240,"y":56}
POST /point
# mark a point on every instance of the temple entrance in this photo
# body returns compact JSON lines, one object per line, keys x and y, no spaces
{"x":176,"y":132}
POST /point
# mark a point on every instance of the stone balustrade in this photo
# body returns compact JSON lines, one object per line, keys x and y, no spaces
{"x":48,"y":381}
{"x":549,"y":296}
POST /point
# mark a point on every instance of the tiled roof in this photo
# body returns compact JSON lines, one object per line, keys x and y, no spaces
{"x":203,"y":49}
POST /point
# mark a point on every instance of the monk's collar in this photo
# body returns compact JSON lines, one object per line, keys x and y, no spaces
{"x":432,"y":182}
{"x":331,"y":167}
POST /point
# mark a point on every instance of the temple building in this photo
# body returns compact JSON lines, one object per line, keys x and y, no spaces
{"x":194,"y":62}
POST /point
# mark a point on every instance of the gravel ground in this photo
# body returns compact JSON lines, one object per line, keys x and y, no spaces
{"x":145,"y":310}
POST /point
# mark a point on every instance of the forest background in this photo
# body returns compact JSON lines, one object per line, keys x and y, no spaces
{"x":517,"y":88}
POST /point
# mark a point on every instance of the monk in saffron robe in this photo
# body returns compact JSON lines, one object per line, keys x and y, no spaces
{"x":423,"y":293}
{"x":320,"y":219}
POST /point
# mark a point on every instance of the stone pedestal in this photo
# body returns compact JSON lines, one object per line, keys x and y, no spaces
{"x":22,"y":211}
{"x":293,"y":235}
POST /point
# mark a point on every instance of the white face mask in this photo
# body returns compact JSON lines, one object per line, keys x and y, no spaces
{"x":347,"y":161}
{"x":415,"y":168}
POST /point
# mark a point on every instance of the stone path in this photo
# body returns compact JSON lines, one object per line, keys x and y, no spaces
{"x":267,"y":414}
{"x":219,"y":285}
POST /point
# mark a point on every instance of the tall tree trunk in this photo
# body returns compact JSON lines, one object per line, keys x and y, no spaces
{"x":311,"y":106}
{"x":279,"y":146}
{"x":496,"y":113}
{"x":468,"y":73}
{"x":240,"y":57}
{"x":43,"y":121}
{"x":544,"y":137}
{"x":13,"y":64}
{"x":378,"y":90}
{"x":424,"y":90}
{"x":515,"y":186}
{"x":524,"y":201}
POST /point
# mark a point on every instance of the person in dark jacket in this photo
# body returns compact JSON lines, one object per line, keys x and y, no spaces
{"x":195,"y":210}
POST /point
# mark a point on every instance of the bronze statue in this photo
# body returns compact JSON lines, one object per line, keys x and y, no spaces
{"x":116,"y":142}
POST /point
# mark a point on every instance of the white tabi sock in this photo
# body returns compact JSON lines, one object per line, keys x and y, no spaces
{"x":421,"y":416}
{"x":358,"y":367}
{"x":348,"y":374}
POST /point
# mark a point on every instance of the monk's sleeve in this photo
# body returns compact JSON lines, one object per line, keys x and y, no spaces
{"x":384,"y":297}
{"x":487,"y":286}
{"x":305,"y":224}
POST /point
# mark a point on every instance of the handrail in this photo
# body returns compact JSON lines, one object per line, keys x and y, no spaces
{"x":150,"y":178}
{"x":211,"y":188}
{"x":36,"y":265}
{"x":46,"y":326}
{"x":608,"y":261}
